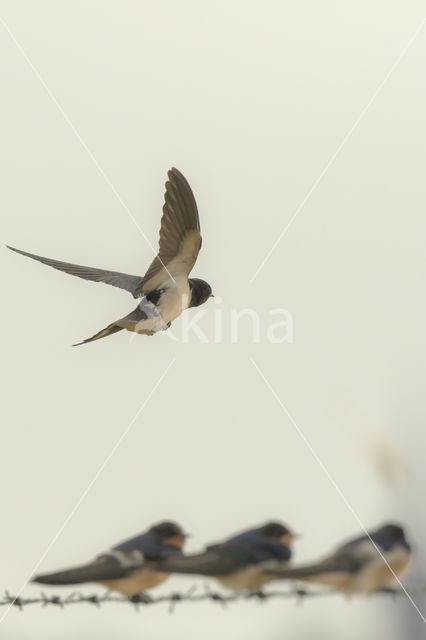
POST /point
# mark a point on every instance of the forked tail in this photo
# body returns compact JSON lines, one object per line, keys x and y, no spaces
{"x":109,"y":330}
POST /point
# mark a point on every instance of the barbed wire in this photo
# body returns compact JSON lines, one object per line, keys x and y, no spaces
{"x":173,"y":599}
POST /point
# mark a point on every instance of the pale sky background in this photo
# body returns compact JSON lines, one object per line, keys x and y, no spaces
{"x":249,"y":100}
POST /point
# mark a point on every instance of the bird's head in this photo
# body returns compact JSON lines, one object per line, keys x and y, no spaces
{"x":277,"y":533}
{"x":169,"y":533}
{"x":392,"y":533}
{"x":201,"y":291}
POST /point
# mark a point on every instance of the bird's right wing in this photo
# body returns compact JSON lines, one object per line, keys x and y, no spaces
{"x":109,"y":566}
{"x":180,"y":238}
{"x":114,"y":278}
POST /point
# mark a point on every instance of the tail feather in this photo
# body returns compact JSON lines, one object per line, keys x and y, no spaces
{"x":105,"y":567}
{"x":109,"y":330}
{"x":333,"y":565}
{"x":300,"y":573}
{"x":78,"y":575}
{"x":137,"y":321}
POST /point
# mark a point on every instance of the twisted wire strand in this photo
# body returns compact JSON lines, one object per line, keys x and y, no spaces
{"x":173,"y":599}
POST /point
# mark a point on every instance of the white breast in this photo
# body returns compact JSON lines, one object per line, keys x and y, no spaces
{"x":174,"y":300}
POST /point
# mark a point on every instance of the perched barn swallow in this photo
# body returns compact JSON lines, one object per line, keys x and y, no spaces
{"x":357,"y":566}
{"x":165,"y":290}
{"x":128,"y":567}
{"x":237,"y":563}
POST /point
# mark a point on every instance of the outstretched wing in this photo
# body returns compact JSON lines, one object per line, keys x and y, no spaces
{"x":114,"y":278}
{"x":109,"y":566}
{"x":180,"y":238}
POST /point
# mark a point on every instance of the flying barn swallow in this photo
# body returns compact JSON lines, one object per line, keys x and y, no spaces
{"x":237,"y":563}
{"x":165,"y":290}
{"x":357,"y":566}
{"x":127,"y":568}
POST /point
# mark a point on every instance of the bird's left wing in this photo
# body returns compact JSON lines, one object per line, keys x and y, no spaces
{"x":114,"y":278}
{"x":180,"y":238}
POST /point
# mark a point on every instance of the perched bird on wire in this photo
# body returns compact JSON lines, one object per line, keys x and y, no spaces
{"x":128,"y":567}
{"x":365,"y":564}
{"x":237,"y":563}
{"x":165,"y":290}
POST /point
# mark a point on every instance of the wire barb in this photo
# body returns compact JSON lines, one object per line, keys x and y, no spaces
{"x":298,"y":595}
